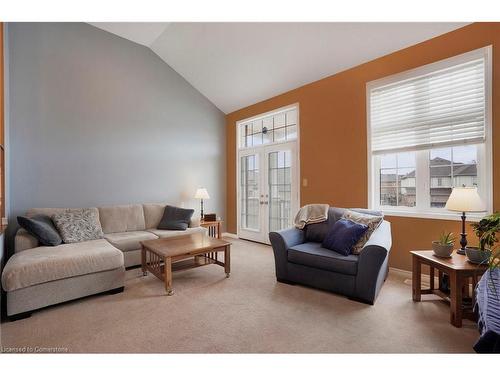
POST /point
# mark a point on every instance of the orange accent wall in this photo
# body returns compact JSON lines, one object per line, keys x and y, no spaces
{"x":333,"y":149}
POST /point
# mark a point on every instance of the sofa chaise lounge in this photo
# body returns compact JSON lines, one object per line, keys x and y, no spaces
{"x":39,"y":276}
{"x":299,"y":258}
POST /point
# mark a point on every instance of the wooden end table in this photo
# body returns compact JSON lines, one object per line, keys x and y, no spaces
{"x":459,"y":271}
{"x":214,"y":228}
{"x":164,"y":255}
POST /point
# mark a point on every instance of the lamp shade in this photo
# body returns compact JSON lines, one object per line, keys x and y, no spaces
{"x":465,"y":199}
{"x":202,"y":193}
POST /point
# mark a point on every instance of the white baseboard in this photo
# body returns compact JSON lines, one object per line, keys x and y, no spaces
{"x":230,"y":235}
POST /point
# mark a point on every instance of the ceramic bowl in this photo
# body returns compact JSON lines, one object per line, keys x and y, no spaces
{"x":477,"y":256}
{"x":440,"y":250}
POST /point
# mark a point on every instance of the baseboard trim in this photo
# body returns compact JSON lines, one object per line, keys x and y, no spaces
{"x":230,"y":235}
{"x":400,"y":272}
{"x":409,"y":274}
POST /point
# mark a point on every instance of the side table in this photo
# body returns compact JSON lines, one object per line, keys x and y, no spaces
{"x":214,"y":228}
{"x":459,"y":270}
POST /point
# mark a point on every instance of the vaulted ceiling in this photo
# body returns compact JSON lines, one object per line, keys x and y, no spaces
{"x":238,"y":64}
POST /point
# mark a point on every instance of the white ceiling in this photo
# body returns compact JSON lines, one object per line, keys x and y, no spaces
{"x":144,"y":33}
{"x":238,"y":64}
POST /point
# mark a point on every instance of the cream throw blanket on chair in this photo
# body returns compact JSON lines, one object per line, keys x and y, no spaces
{"x":310,"y":214}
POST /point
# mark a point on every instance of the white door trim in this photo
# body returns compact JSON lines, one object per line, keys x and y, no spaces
{"x":241,"y":152}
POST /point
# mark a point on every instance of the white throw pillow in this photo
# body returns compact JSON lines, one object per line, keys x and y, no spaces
{"x":371,"y":221}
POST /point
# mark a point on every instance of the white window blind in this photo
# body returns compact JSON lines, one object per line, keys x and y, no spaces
{"x":444,"y":107}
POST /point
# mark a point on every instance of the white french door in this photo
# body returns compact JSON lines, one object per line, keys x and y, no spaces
{"x":268,"y":195}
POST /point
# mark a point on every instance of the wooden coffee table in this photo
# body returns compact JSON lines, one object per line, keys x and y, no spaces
{"x":459,"y":270}
{"x":164,"y":255}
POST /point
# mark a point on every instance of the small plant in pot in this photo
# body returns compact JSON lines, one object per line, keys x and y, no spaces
{"x":444,"y":247}
{"x":486,"y":230}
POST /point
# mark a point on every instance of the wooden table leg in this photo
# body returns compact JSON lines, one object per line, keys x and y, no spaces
{"x":455,"y":299}
{"x":143,"y":262}
{"x":431,"y":275}
{"x":416,"y":279}
{"x":227,"y":260}
{"x":474,"y":285}
{"x":168,"y":276}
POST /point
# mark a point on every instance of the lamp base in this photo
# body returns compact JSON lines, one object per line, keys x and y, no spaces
{"x":461,"y":251}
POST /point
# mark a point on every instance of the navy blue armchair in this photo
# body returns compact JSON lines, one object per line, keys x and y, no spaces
{"x":300,"y":259}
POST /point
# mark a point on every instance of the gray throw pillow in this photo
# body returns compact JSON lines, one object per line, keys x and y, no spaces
{"x":372,"y":221}
{"x":77,"y":225}
{"x":175,"y":218}
{"x":42,"y":228}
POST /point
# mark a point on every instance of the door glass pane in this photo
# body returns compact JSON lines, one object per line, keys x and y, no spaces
{"x":249,"y":188}
{"x":279,"y":134}
{"x":291,"y":132}
{"x":280,"y":188}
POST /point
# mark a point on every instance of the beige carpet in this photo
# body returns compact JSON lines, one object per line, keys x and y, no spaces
{"x":247,"y":313}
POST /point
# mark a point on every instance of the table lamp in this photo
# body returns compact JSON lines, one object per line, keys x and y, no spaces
{"x":464,"y":199}
{"x":202,"y":193}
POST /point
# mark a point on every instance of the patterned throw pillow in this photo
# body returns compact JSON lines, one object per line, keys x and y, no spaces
{"x":77,"y":225}
{"x":369,"y":220}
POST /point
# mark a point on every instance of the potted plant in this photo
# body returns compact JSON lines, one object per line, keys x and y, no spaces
{"x":444,"y":246}
{"x":486,"y":230}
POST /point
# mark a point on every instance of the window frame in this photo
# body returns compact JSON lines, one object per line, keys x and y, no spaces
{"x":262,"y":116}
{"x":422,"y":208}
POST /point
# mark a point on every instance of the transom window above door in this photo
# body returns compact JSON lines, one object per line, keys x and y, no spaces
{"x":276,"y":127}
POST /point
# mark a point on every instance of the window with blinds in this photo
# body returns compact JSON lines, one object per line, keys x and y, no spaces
{"x":428,"y":131}
{"x":440,"y":108}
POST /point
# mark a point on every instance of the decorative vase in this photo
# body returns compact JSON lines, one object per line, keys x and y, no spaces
{"x":441,"y":250}
{"x":477,"y":256}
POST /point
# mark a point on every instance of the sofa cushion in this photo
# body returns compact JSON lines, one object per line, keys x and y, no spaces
{"x":371,"y":221}
{"x":176,"y":218}
{"x":77,"y":225}
{"x":124,"y":218}
{"x":153,"y":212}
{"x":129,"y":241}
{"x":42,"y":227}
{"x":311,"y":254}
{"x":48,"y":263}
{"x":24,"y":241}
{"x":172,"y":233}
{"x":343,"y":236}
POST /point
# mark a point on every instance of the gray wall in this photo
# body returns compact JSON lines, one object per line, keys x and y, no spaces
{"x":97,"y":120}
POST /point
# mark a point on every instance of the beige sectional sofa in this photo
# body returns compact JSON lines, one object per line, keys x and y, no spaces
{"x":38,"y":276}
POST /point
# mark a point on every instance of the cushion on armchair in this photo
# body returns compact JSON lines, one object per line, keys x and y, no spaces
{"x":371,"y":221}
{"x":343,"y":236}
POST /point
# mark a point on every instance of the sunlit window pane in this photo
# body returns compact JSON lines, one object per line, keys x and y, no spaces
{"x":451,"y":167}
